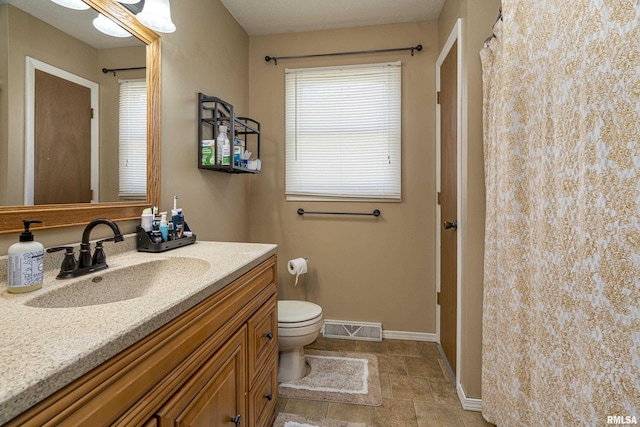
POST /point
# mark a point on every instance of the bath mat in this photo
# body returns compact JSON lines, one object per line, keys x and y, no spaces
{"x":337,"y":377}
{"x":292,"y":420}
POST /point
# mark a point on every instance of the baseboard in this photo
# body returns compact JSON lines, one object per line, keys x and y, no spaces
{"x":409,"y":336}
{"x":468,"y":403}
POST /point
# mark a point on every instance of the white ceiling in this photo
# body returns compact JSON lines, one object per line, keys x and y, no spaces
{"x":261,"y":17}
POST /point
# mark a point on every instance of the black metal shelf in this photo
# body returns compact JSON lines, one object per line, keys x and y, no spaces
{"x":213,"y":112}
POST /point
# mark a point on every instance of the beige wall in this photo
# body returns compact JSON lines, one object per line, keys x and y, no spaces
{"x":4,"y":99}
{"x":361,"y":269}
{"x":478,"y":16}
{"x":209,"y":52}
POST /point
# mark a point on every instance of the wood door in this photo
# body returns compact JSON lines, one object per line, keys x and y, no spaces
{"x":215,"y":395}
{"x":448,"y":204}
{"x":62,"y":147}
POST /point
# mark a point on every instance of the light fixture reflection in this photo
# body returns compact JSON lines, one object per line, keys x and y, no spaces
{"x":107,"y":26}
{"x":72,"y":4}
{"x":156,"y":15}
{"x":128,"y":1}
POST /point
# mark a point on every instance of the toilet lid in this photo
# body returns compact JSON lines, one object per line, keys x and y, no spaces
{"x":297,"y":311}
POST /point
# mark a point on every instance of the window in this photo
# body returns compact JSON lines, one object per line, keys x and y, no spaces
{"x":343,"y":132}
{"x":133,"y":139}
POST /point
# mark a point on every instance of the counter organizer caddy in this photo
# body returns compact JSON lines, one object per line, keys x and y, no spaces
{"x":213,"y":112}
{"x":144,"y":243}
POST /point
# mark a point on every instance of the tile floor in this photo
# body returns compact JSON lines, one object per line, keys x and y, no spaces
{"x":416,"y":392}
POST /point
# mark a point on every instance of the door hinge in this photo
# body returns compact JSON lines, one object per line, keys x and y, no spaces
{"x":92,"y":113}
{"x":91,"y":194}
{"x":438,"y":298}
{"x":439,"y":198}
{"x":438,"y":97}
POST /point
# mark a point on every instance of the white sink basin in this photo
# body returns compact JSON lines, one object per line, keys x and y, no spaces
{"x":121,"y":284}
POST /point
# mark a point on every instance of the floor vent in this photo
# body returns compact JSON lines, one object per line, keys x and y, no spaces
{"x":365,"y":331}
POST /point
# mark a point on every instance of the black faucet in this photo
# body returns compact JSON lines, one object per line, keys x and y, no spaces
{"x":86,"y":264}
{"x":84,"y":259}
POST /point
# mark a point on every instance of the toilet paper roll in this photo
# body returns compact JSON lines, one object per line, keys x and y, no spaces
{"x":297,"y":267}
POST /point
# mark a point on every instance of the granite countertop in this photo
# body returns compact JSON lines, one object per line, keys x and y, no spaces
{"x":44,"y":349}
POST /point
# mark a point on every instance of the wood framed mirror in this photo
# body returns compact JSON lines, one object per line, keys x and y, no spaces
{"x":57,"y":215}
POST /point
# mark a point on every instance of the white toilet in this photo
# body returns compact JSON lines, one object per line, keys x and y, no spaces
{"x":299,"y":323}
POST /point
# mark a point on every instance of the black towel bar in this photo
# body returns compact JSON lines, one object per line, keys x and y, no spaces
{"x":376,"y":212}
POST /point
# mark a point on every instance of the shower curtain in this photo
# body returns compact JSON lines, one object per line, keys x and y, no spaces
{"x":561,"y":322}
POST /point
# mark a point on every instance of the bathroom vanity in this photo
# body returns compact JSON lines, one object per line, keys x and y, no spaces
{"x":199,"y":348}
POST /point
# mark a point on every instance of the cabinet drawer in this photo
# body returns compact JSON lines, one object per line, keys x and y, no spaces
{"x":264,"y":395}
{"x":263,"y":336}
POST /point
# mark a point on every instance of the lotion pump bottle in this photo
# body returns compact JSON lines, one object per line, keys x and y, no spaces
{"x":26,"y":262}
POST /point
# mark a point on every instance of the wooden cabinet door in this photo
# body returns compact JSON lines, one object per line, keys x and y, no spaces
{"x":215,"y":395}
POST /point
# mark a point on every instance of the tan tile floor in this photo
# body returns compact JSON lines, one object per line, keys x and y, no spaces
{"x":416,"y":391}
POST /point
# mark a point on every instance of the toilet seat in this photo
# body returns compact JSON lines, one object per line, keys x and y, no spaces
{"x":296,"y":314}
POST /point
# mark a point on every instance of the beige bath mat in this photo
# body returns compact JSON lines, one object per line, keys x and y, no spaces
{"x":337,"y":377}
{"x":291,"y":420}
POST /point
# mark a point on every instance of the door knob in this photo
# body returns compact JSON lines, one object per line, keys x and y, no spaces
{"x":453,"y":224}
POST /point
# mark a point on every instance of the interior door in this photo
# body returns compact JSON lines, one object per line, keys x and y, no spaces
{"x":62,"y":147}
{"x":448,"y":204}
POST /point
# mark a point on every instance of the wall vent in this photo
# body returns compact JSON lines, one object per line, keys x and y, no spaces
{"x":364,"y":331}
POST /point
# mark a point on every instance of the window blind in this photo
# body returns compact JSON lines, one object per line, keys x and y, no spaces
{"x":343,"y":131}
{"x":133,"y":139}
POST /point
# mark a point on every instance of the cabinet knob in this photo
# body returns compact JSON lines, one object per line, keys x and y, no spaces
{"x":236,"y":420}
{"x":269,"y":335}
{"x":269,"y":397}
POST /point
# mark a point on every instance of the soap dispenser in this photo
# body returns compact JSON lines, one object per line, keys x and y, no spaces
{"x":26,"y":262}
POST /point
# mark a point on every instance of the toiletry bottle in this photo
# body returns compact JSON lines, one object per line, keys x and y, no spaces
{"x":237,"y":152}
{"x":26,"y":262}
{"x":226,"y":152}
{"x":146,"y":220}
{"x":177,"y":219}
{"x":220,"y":140}
{"x":179,"y":224}
{"x":164,"y":227}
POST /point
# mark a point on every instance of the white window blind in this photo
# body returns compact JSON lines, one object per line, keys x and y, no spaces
{"x":133,"y":139}
{"x":343,"y":131}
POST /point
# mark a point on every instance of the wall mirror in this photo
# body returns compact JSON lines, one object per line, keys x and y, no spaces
{"x":16,"y":136}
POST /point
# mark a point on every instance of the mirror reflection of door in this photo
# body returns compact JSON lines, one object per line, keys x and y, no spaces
{"x":62,"y":149}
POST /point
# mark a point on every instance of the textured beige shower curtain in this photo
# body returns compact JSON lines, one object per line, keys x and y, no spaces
{"x":561,"y":326}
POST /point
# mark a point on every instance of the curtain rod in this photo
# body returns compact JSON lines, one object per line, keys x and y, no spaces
{"x":275,"y":59}
{"x":113,"y":70}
